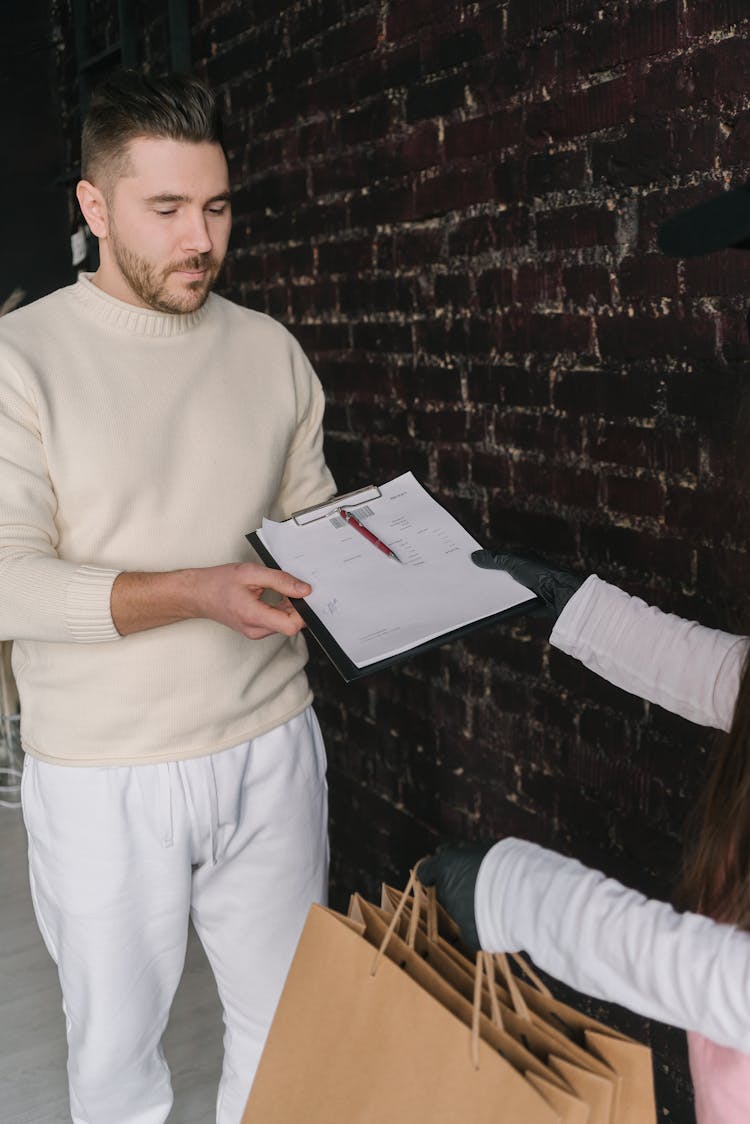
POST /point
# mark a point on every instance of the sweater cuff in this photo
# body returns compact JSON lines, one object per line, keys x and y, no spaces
{"x":489,"y":897}
{"x":88,"y":615}
{"x":570,"y":623}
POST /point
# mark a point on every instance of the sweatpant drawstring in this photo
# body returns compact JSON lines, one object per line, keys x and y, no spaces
{"x":213,"y":806}
{"x":165,"y":804}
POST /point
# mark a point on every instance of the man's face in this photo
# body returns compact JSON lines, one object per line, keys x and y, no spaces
{"x":169,"y":219}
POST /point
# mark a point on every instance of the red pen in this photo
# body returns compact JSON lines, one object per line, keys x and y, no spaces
{"x":360,"y":527}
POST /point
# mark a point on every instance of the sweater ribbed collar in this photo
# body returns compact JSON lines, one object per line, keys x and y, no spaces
{"x":131,"y":318}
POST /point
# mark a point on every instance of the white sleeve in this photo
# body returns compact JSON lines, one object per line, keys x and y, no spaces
{"x":611,"y":942}
{"x":42,"y":597}
{"x":688,"y":669}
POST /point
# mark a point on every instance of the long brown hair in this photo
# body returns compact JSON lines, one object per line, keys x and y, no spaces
{"x":716,"y":871}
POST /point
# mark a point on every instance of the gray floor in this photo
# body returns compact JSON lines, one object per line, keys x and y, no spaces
{"x":32,"y":1031}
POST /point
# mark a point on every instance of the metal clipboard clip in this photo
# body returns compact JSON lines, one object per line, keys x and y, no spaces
{"x":330,"y":507}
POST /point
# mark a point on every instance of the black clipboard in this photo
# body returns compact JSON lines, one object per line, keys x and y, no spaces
{"x":347,"y":669}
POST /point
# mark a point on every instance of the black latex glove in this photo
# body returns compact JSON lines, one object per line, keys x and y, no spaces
{"x":453,"y":871}
{"x":554,"y":586}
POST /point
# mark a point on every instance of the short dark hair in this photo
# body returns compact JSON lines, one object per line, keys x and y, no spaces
{"x":129,"y":104}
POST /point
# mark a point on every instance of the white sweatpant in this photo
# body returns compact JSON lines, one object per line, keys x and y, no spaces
{"x":120,"y":857}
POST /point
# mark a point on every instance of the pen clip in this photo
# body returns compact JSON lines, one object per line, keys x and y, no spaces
{"x":332,"y":506}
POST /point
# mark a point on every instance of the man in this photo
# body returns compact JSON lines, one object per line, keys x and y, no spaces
{"x":174,"y":767}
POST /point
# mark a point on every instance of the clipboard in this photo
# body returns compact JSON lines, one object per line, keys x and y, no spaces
{"x":347,"y":668}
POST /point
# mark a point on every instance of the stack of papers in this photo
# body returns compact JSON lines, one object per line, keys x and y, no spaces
{"x":371,"y":606}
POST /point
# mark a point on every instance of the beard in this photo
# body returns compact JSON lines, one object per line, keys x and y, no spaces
{"x":149,"y":283}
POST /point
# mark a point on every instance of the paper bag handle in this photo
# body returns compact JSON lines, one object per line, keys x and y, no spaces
{"x":485,"y":964}
{"x":396,"y":918}
{"x":520,"y":1005}
{"x":424,"y":898}
{"x":529,"y":971}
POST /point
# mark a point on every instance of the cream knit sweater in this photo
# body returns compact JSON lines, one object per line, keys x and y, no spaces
{"x":139,"y":440}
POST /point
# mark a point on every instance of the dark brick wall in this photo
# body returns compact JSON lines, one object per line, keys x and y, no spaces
{"x":35,"y":231}
{"x":453,"y":206}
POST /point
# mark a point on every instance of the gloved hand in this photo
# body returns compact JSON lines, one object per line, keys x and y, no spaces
{"x":453,"y":871}
{"x":554,"y":586}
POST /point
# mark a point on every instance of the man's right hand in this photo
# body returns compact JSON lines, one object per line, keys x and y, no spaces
{"x":230,"y":595}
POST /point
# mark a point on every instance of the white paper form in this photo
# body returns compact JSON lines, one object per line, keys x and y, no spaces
{"x":373,"y":606}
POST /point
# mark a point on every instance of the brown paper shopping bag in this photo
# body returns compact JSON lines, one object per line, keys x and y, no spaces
{"x":631,"y":1060}
{"x":355,"y":1037}
{"x":628,"y":1060}
{"x":589,"y":1085}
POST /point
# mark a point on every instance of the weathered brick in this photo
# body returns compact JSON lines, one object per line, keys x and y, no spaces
{"x":430,"y":383}
{"x":527,"y":16}
{"x":349,"y":40}
{"x":317,"y":339}
{"x":541,"y":332}
{"x":453,"y":289}
{"x":639,"y":447}
{"x":318,"y":220}
{"x":453,"y":190}
{"x":600,"y":106}
{"x":436,"y":98}
{"x":405,"y":19}
{"x":495,"y":288}
{"x":441,"y":335}
{"x":638,"y":550}
{"x":641,"y":336}
{"x":609,"y":393}
{"x":575,"y":226}
{"x":560,"y":171}
{"x":585,"y":283}
{"x":291,"y":261}
{"x":704,"y":391}
{"x":376,"y":294}
{"x":483,"y":134}
{"x":383,"y":205}
{"x":635,"y":495}
{"x":452,"y":467}
{"x":567,"y":486}
{"x":651,"y":275}
{"x":539,"y":433}
{"x":709,"y":15}
{"x":708,"y":514}
{"x":544,"y":532}
{"x":537,"y":284}
{"x":389,"y":458}
{"x":513,"y":386}
{"x":490,"y":232}
{"x":352,"y":255}
{"x":654,"y":154}
{"x":312,"y":300}
{"x":670,"y":84}
{"x":657,"y":206}
{"x":417,"y":247}
{"x":445,"y":47}
{"x":382,"y":336}
{"x":365,"y":124}
{"x":495,"y":77}
{"x":251,"y":52}
{"x":491,"y":469}
{"x":411,"y":152}
{"x":720,"y":274}
{"x":247,"y":267}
